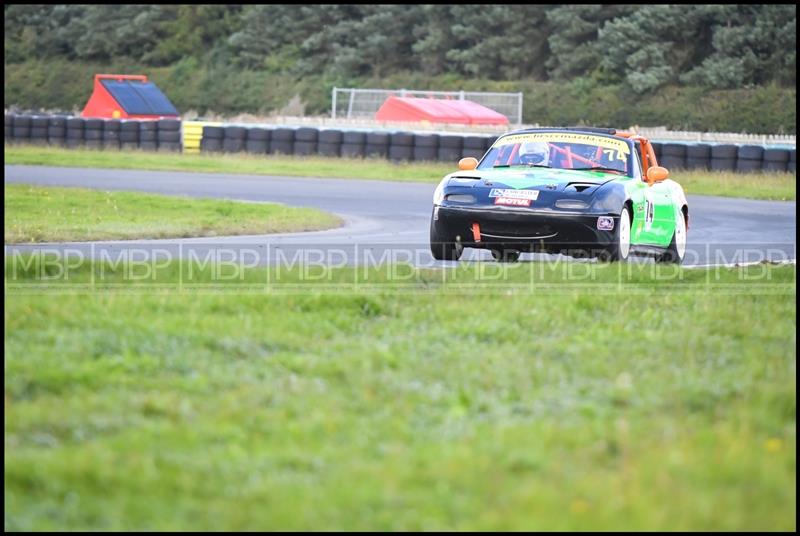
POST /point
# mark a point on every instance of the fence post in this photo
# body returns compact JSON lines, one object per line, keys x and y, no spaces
{"x":333,"y":108}
{"x":519,"y":109}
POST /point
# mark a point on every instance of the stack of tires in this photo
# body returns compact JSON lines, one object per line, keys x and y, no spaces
{"x":723,"y":157}
{"x":212,"y":139}
{"x":426,"y":147}
{"x":673,"y":156}
{"x":111,"y":130}
{"x":698,"y":156}
{"x":775,"y":160}
{"x":330,"y":142}
{"x":57,"y":131}
{"x":354,"y":144}
{"x":148,"y":135}
{"x":169,"y":135}
{"x":235,"y":139}
{"x":305,"y":141}
{"x":282,"y":141}
{"x":93,"y":133}
{"x":474,"y":147}
{"x":129,"y":134}
{"x":257,"y":140}
{"x":377,"y":144}
{"x":9,"y":128}
{"x":401,"y":146}
{"x":38,"y":130}
{"x":75,"y":132}
{"x":450,"y":147}
{"x":748,"y":158}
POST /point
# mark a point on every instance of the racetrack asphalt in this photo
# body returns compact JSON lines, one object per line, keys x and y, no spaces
{"x":389,"y":221}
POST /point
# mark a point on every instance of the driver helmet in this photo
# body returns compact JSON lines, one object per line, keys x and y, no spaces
{"x":535,"y":152}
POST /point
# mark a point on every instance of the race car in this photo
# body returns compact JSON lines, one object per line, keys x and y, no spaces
{"x":579,"y":191}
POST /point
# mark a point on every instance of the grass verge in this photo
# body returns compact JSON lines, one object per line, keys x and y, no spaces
{"x":423,"y":406}
{"x":55,"y":214}
{"x":770,"y":186}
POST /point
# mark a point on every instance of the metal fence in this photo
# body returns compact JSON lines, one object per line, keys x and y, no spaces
{"x":350,"y":103}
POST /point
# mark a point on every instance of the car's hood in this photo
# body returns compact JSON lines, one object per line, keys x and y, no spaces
{"x":528,"y":178}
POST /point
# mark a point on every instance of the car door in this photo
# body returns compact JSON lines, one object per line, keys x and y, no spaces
{"x":658,"y":222}
{"x":653,"y":213}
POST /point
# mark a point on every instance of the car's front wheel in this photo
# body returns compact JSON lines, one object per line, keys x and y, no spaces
{"x":676,"y":251}
{"x":621,"y":247}
{"x":443,"y":247}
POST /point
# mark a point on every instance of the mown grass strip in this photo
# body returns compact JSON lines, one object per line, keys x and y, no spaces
{"x":55,"y":214}
{"x":770,"y":186}
{"x":386,"y":410}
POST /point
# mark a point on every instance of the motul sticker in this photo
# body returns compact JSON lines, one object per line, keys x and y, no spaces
{"x":512,"y":201}
{"x":530,"y":195}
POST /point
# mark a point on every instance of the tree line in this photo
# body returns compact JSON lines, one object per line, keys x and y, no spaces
{"x":644,"y":47}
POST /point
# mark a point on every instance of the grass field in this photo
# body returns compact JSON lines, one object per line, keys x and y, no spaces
{"x":774,"y":186}
{"x":425,"y":406}
{"x":53,"y":214}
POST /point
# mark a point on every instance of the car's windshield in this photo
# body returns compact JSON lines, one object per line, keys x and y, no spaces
{"x":560,"y":150}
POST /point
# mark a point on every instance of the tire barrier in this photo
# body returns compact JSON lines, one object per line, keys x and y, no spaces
{"x":173,"y":135}
{"x":673,"y":156}
{"x":723,"y":157}
{"x":450,"y":147}
{"x":330,"y":142}
{"x":168,"y":135}
{"x":401,"y":146}
{"x":257,"y":140}
{"x":111,"y":131}
{"x":282,"y":141}
{"x":354,"y":144}
{"x":305,"y":141}
{"x":377,"y":145}
{"x":748,"y":158}
{"x":473,"y":146}
{"x":775,"y":160}
{"x":698,"y":156}
{"x":38,"y":130}
{"x":426,"y":147}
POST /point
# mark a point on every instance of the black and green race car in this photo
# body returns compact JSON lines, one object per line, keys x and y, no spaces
{"x":582,"y":192}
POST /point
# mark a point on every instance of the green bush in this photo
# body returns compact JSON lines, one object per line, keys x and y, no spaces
{"x":225,"y":89}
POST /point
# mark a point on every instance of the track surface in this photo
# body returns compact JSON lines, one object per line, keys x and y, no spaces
{"x":389,"y":221}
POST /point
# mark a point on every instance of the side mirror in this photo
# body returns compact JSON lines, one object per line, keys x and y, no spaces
{"x":465,"y":164}
{"x":657,"y":174}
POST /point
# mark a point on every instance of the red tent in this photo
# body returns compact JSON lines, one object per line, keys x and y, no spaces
{"x":127,"y":96}
{"x":438,"y":111}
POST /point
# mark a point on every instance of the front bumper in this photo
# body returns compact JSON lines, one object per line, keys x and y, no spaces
{"x":523,"y":229}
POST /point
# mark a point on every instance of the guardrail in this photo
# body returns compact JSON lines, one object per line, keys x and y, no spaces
{"x":197,"y":136}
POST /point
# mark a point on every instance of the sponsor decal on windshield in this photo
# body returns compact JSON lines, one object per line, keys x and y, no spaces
{"x":565,"y":137}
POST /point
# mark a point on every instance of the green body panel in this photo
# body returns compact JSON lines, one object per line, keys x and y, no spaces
{"x":653,"y":212}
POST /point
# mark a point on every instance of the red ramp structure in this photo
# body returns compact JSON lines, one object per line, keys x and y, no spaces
{"x":413,"y":109}
{"x":127,"y":96}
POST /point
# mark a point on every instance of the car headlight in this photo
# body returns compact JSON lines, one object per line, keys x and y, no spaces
{"x":461,"y":198}
{"x":573,"y":204}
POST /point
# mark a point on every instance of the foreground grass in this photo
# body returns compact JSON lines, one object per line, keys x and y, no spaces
{"x":422,"y":407}
{"x":54,"y":214}
{"x":772,"y":186}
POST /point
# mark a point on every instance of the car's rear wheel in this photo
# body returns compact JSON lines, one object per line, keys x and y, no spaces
{"x":621,"y":247}
{"x":443,"y":247}
{"x":506,"y":255}
{"x":676,"y":251}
